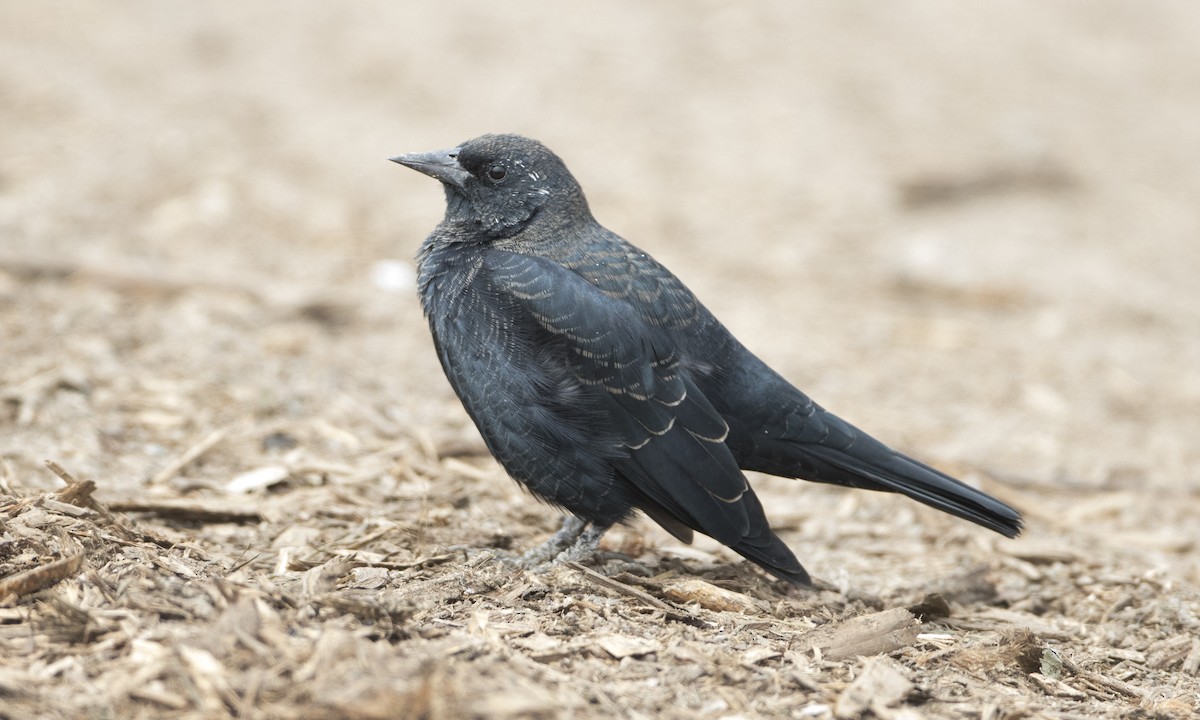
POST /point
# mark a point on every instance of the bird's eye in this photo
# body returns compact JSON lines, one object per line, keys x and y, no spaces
{"x":497,"y":173}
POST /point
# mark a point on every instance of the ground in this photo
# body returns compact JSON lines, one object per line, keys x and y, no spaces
{"x":972,"y":230}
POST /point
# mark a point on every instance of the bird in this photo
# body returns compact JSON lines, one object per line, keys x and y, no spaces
{"x":605,"y":387}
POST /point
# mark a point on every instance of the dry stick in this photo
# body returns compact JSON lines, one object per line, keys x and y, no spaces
{"x":192,"y":453}
{"x":621,"y":587}
{"x":62,"y":472}
{"x":41,"y":577}
{"x":186,"y":509}
{"x":79,"y":493}
{"x":1113,"y":684}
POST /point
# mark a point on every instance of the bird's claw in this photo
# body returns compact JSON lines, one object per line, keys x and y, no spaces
{"x":557,"y":545}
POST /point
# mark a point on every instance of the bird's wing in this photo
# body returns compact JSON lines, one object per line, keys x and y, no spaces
{"x":674,"y":437}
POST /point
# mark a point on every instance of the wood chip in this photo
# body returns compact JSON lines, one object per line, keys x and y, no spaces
{"x":1001,"y":619}
{"x":39,"y":578}
{"x":708,"y":596}
{"x":1117,"y":686}
{"x":63,"y":508}
{"x":881,"y":685}
{"x":872,"y":634}
{"x":458,"y":467}
{"x":257,"y":479}
{"x":1057,"y":688}
{"x":324,"y":578}
{"x":1040,"y":553}
{"x":1191,"y":664}
{"x":756,"y":655}
{"x":209,"y":678}
{"x":156,"y":693}
{"x":542,"y":647}
{"x":623,"y":646}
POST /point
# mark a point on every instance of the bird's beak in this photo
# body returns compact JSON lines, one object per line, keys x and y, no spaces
{"x":439,"y":164}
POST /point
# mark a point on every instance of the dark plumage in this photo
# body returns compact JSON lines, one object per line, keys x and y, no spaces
{"x":601,"y":383}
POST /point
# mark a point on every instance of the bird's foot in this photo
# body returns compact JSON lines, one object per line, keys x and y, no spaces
{"x":574,"y":542}
{"x":568,"y":534}
{"x":584,"y":546}
{"x":607,"y":563}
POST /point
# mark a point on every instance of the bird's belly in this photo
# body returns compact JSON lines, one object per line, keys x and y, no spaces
{"x":541,"y":424}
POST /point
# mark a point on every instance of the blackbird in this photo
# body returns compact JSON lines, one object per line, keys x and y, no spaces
{"x":601,"y":383}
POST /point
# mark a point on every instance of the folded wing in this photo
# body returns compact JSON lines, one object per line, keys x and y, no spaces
{"x":676,"y":457}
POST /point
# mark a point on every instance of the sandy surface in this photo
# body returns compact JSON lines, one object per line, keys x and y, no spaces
{"x":972,"y":231}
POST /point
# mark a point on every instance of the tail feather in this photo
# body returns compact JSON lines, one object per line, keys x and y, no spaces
{"x":887,"y":470}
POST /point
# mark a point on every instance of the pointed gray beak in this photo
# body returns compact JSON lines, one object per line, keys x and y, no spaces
{"x":439,"y":164}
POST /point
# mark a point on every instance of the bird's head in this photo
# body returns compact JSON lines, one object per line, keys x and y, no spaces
{"x":502,"y":184}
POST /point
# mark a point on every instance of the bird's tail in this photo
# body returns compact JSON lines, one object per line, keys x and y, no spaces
{"x":881,"y":468}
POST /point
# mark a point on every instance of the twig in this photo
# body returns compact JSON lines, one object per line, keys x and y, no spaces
{"x":187,"y":457}
{"x":188,"y":510}
{"x":39,"y":578}
{"x":1113,"y":684}
{"x":79,"y":494}
{"x":418,"y":563}
{"x":621,"y":587}
{"x":61,"y":472}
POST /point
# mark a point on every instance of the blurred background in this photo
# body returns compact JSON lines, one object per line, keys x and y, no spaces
{"x":973,"y":230}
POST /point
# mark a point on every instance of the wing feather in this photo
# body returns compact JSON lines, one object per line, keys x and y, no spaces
{"x":672,"y":433}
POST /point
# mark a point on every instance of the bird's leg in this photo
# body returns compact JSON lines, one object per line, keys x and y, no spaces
{"x":584,"y":546}
{"x":572,"y":528}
